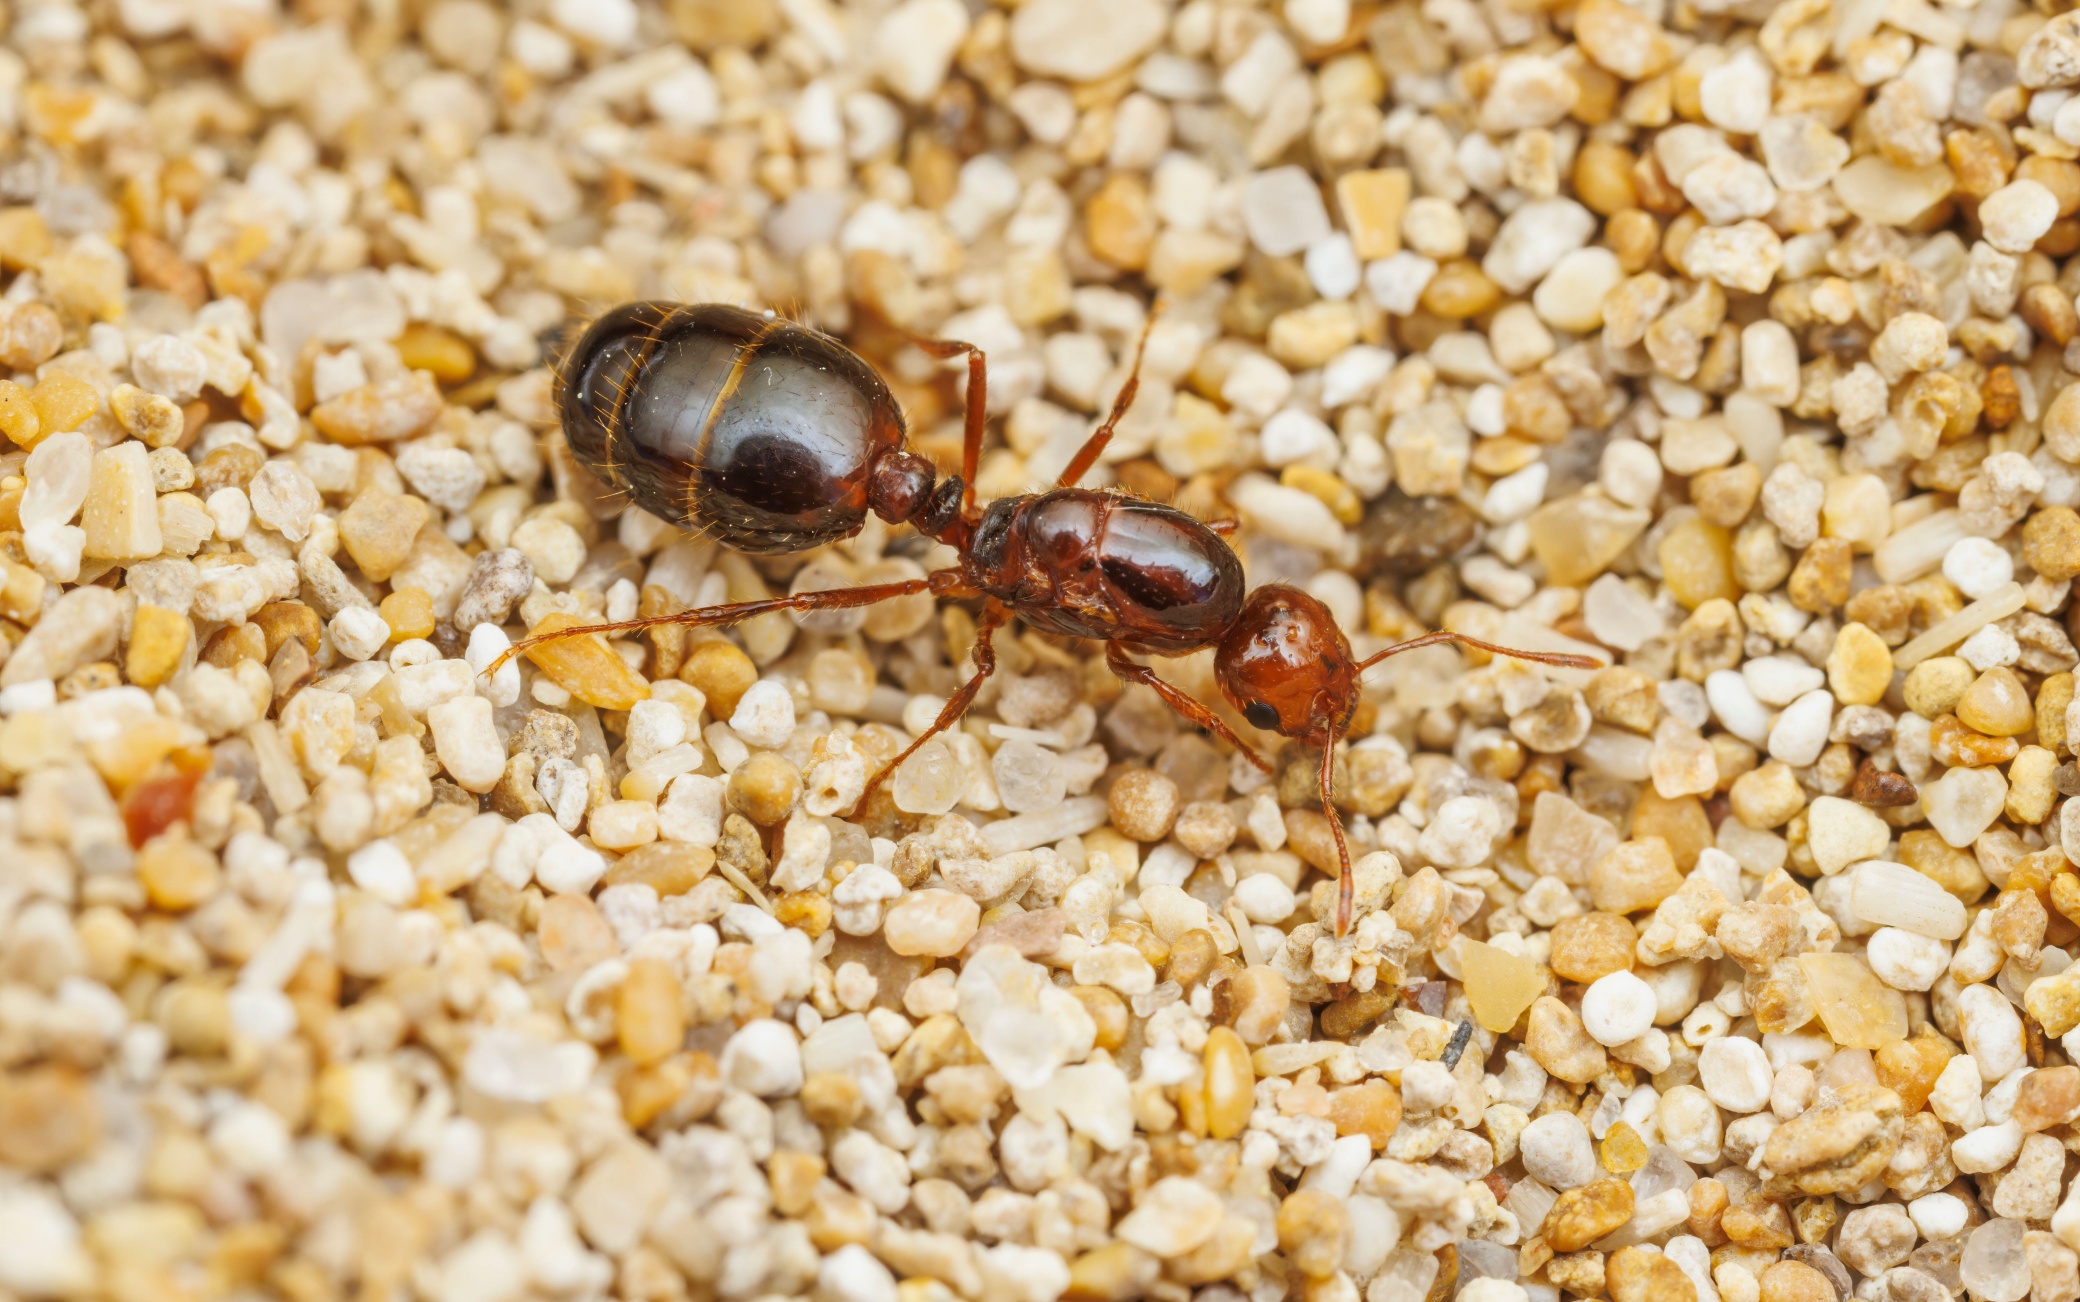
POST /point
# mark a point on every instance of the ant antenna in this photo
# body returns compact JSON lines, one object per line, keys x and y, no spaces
{"x":1346,"y":887}
{"x":1562,"y":659}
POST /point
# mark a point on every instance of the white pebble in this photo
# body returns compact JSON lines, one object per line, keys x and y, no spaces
{"x":1736,"y":706}
{"x":1978,"y":566}
{"x":1735,"y":95}
{"x":1800,"y":732}
{"x":170,"y":367}
{"x":1332,"y":266}
{"x":1618,"y":1007}
{"x":1938,"y":1215}
{"x":1990,"y":648}
{"x":358,"y":632}
{"x":763,"y":1058}
{"x":1283,"y":212}
{"x":1397,"y":282}
{"x":1354,"y":374}
{"x":765,"y":714}
{"x":232,"y":512}
{"x":381,"y":869}
{"x":1906,"y":961}
{"x":1735,"y":1073}
{"x":467,"y":743}
{"x":1295,"y":436}
{"x":687,"y":99}
{"x":487,"y":642}
{"x":2014,"y":217}
{"x":1630,"y":472}
{"x":609,"y":23}
{"x":1557,"y":1151}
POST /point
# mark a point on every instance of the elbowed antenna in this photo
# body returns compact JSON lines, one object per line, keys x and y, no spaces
{"x":1559,"y":658}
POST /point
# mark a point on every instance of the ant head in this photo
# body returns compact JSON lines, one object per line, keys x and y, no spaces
{"x":1286,"y":665}
{"x":899,"y":484}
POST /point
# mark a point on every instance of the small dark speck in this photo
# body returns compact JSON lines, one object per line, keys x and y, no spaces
{"x":1457,"y":1046}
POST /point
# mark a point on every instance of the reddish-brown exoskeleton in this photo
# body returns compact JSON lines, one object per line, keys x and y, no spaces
{"x":777,"y":438}
{"x":1287,"y":668}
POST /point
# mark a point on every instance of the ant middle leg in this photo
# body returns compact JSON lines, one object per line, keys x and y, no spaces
{"x":994,"y":615}
{"x":976,"y":415}
{"x":1094,"y":446}
{"x":738,"y":612}
{"x":1193,"y":711}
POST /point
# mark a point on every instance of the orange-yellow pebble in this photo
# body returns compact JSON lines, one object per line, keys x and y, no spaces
{"x":447,"y":355}
{"x":409,"y":613}
{"x":24,"y":239}
{"x":1339,"y":497}
{"x":62,"y":402}
{"x":1623,"y":1151}
{"x":18,"y":418}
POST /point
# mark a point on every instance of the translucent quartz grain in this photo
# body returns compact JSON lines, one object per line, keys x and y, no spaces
{"x":1406,"y":1277}
{"x":1664,"y":1170}
{"x":1993,"y":1266}
{"x":930,"y":781}
{"x":1893,"y":895}
{"x":1577,"y":536}
{"x":1029,"y":776}
{"x":1529,"y":1201}
{"x":1883,"y":194}
{"x":1995,"y":605}
{"x":1858,"y":1010}
{"x":1918,"y":548}
{"x":1073,"y":817}
{"x":1499,"y":985}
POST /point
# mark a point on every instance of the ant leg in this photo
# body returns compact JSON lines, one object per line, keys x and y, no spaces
{"x":994,"y":615}
{"x":1224,"y":528}
{"x":1346,"y":887}
{"x":1094,"y":446}
{"x":977,"y":411}
{"x":1433,"y":639}
{"x":1193,"y":711}
{"x":714,"y":616}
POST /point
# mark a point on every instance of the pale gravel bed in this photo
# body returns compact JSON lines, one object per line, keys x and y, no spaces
{"x":1732,"y":344}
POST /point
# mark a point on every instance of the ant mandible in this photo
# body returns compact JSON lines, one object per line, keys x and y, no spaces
{"x":774,"y":437}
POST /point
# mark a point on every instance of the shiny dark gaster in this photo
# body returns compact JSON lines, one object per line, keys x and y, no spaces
{"x":758,"y":432}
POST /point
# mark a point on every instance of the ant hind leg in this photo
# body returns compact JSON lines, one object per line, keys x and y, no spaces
{"x":738,"y":612}
{"x":1193,"y":711}
{"x":994,"y":615}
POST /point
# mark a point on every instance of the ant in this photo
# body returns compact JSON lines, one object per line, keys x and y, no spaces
{"x":777,"y":438}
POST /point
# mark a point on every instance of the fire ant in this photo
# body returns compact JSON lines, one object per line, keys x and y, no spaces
{"x":776,"y":438}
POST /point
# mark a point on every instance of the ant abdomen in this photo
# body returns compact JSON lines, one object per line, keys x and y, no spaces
{"x":755,"y":431}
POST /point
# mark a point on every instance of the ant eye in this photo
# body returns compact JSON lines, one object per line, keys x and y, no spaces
{"x":1260,"y":715}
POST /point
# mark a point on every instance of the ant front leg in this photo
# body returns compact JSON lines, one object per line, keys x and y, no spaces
{"x":994,"y":615}
{"x":1346,"y":885}
{"x":976,"y":414}
{"x":1094,"y":446}
{"x":737,"y":613}
{"x":1194,"y":711}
